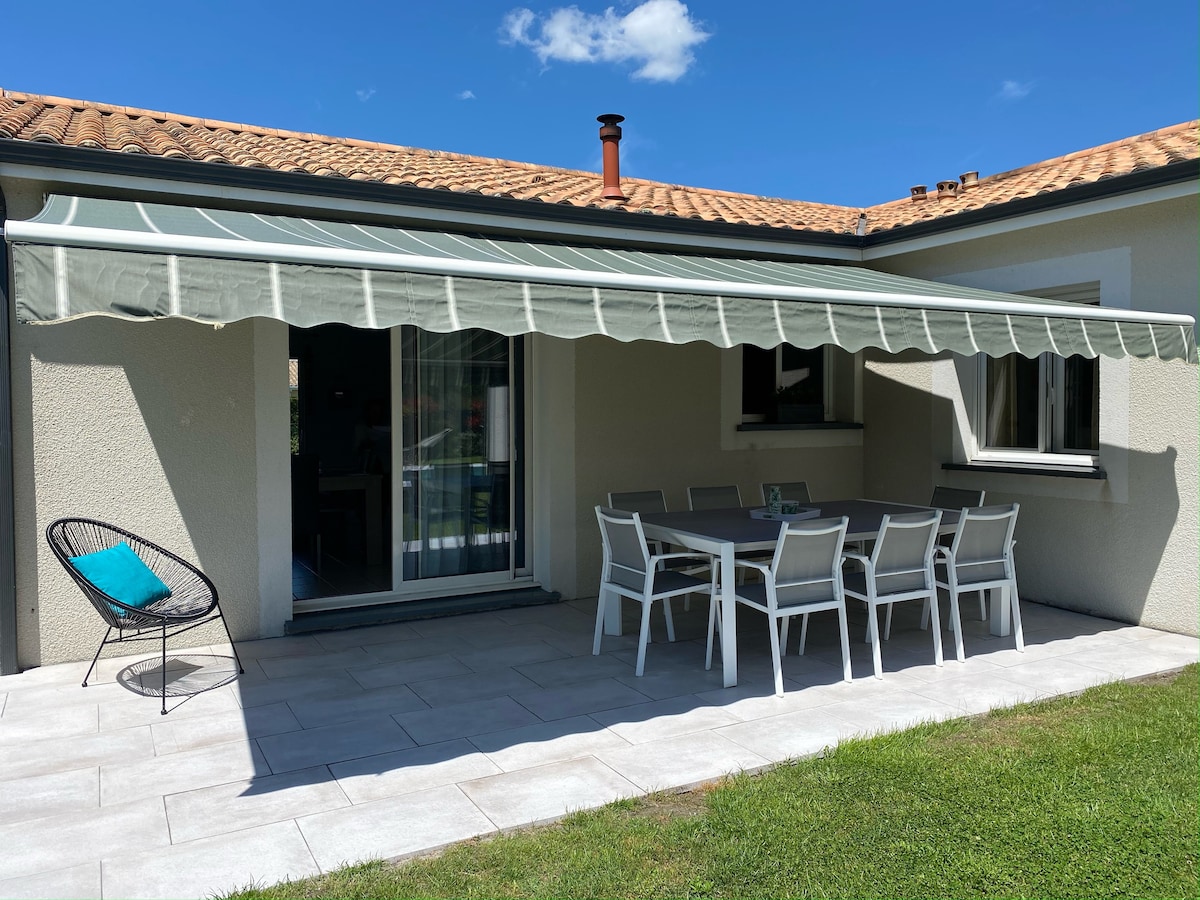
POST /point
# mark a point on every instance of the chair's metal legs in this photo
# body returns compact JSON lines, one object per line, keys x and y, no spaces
{"x":776,"y":662}
{"x":164,"y":666}
{"x":845,"y":635}
{"x":600,"y":603}
{"x":97,"y":656}
{"x":1013,"y":598}
{"x":714,"y":627}
{"x":643,"y":639}
{"x":237,"y":658}
{"x":873,"y":637}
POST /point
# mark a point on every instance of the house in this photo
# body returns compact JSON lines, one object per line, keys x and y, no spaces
{"x":369,"y":375}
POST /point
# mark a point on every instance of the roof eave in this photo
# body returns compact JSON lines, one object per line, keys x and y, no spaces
{"x":1114,"y":186}
{"x":133,"y":165}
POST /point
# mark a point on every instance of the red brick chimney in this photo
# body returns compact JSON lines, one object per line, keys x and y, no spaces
{"x":610,"y":135}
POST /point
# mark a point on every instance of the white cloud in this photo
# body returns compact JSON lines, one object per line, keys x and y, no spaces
{"x":364,"y":96}
{"x":657,"y":35}
{"x":1015,"y":90}
{"x":466,"y":95}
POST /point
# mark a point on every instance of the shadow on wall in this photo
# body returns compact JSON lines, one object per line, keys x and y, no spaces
{"x":1090,"y":545}
{"x":150,"y":426}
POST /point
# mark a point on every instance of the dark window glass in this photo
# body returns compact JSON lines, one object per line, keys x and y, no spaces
{"x":1013,"y":387}
{"x":802,"y":380}
{"x":758,"y":381}
{"x":1081,"y":399}
{"x":783,"y":384}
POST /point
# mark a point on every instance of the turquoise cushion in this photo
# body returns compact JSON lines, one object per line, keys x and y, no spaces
{"x":121,"y":574}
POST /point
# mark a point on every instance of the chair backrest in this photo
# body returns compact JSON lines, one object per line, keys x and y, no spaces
{"x":191,"y":589}
{"x":982,"y":547}
{"x":790,"y":490}
{"x":638,"y":501}
{"x":955,"y":498}
{"x":726,"y":496}
{"x":807,"y":565}
{"x":903,"y":554}
{"x":626,"y":557}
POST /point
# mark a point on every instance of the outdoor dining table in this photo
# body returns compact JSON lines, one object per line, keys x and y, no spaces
{"x":727,"y":532}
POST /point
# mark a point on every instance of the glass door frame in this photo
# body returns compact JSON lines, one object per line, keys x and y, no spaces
{"x":518,"y":443}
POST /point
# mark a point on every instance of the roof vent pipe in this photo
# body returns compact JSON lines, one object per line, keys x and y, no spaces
{"x":947,"y":190}
{"x":969,"y":180}
{"x":610,"y":135}
{"x":919,"y":192}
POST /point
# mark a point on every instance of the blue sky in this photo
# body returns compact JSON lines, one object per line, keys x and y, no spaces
{"x":848,"y":103}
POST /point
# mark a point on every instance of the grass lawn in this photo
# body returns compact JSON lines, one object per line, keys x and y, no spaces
{"x":1087,"y":796}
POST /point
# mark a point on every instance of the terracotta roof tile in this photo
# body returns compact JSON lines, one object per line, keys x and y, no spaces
{"x":1164,"y":147}
{"x":31,"y":117}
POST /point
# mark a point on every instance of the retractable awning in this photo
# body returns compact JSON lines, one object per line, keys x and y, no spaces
{"x":84,"y":256}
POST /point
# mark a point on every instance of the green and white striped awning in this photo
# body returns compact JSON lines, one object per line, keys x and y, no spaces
{"x":83,"y":256}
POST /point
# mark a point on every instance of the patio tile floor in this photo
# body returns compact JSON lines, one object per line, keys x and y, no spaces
{"x":389,"y":741}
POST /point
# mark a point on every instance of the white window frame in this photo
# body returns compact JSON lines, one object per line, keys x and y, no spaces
{"x":1051,"y":413}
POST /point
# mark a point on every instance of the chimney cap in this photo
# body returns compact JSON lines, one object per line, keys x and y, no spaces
{"x":610,"y":119}
{"x":919,"y":192}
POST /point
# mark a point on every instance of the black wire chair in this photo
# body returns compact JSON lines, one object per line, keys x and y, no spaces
{"x":193,"y":600}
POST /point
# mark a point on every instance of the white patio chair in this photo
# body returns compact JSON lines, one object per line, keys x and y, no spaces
{"x":643,"y":502}
{"x":956,"y":499}
{"x":724,"y":497}
{"x":980,"y":558}
{"x":805,"y":576}
{"x":899,"y":568}
{"x":640,"y":502}
{"x":790,"y":490}
{"x":630,"y":570}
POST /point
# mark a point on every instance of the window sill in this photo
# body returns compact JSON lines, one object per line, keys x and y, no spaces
{"x":1091,"y":472}
{"x":799,"y":426}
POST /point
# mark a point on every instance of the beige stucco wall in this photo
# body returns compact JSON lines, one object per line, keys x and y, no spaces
{"x":1125,"y":547}
{"x":646,"y":417}
{"x":179,"y":432}
{"x":150,"y":426}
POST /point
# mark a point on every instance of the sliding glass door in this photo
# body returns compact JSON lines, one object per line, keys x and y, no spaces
{"x":407,"y":475}
{"x":457,"y":449}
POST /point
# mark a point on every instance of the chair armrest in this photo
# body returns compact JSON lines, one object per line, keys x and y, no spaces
{"x":857,"y":557}
{"x":941,"y":554}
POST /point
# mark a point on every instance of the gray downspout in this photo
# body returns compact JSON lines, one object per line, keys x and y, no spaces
{"x":8,"y":555}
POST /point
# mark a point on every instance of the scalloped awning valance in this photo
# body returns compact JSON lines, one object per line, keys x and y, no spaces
{"x":85,"y":256}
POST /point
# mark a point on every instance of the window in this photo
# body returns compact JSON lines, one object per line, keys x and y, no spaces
{"x":1046,"y":405}
{"x":785,"y":384}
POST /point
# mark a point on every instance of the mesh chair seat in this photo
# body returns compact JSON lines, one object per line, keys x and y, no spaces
{"x":900,"y":568}
{"x":193,"y":600}
{"x":980,"y":558}
{"x":805,"y":576}
{"x":630,"y":570}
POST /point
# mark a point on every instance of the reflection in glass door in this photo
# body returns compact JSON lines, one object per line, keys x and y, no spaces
{"x":457,"y":454}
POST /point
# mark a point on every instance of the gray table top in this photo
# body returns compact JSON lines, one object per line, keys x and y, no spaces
{"x":736,"y":526}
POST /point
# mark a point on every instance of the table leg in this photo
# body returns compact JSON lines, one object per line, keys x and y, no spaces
{"x":612,"y":615}
{"x":1001,"y":622}
{"x":728,"y":616}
